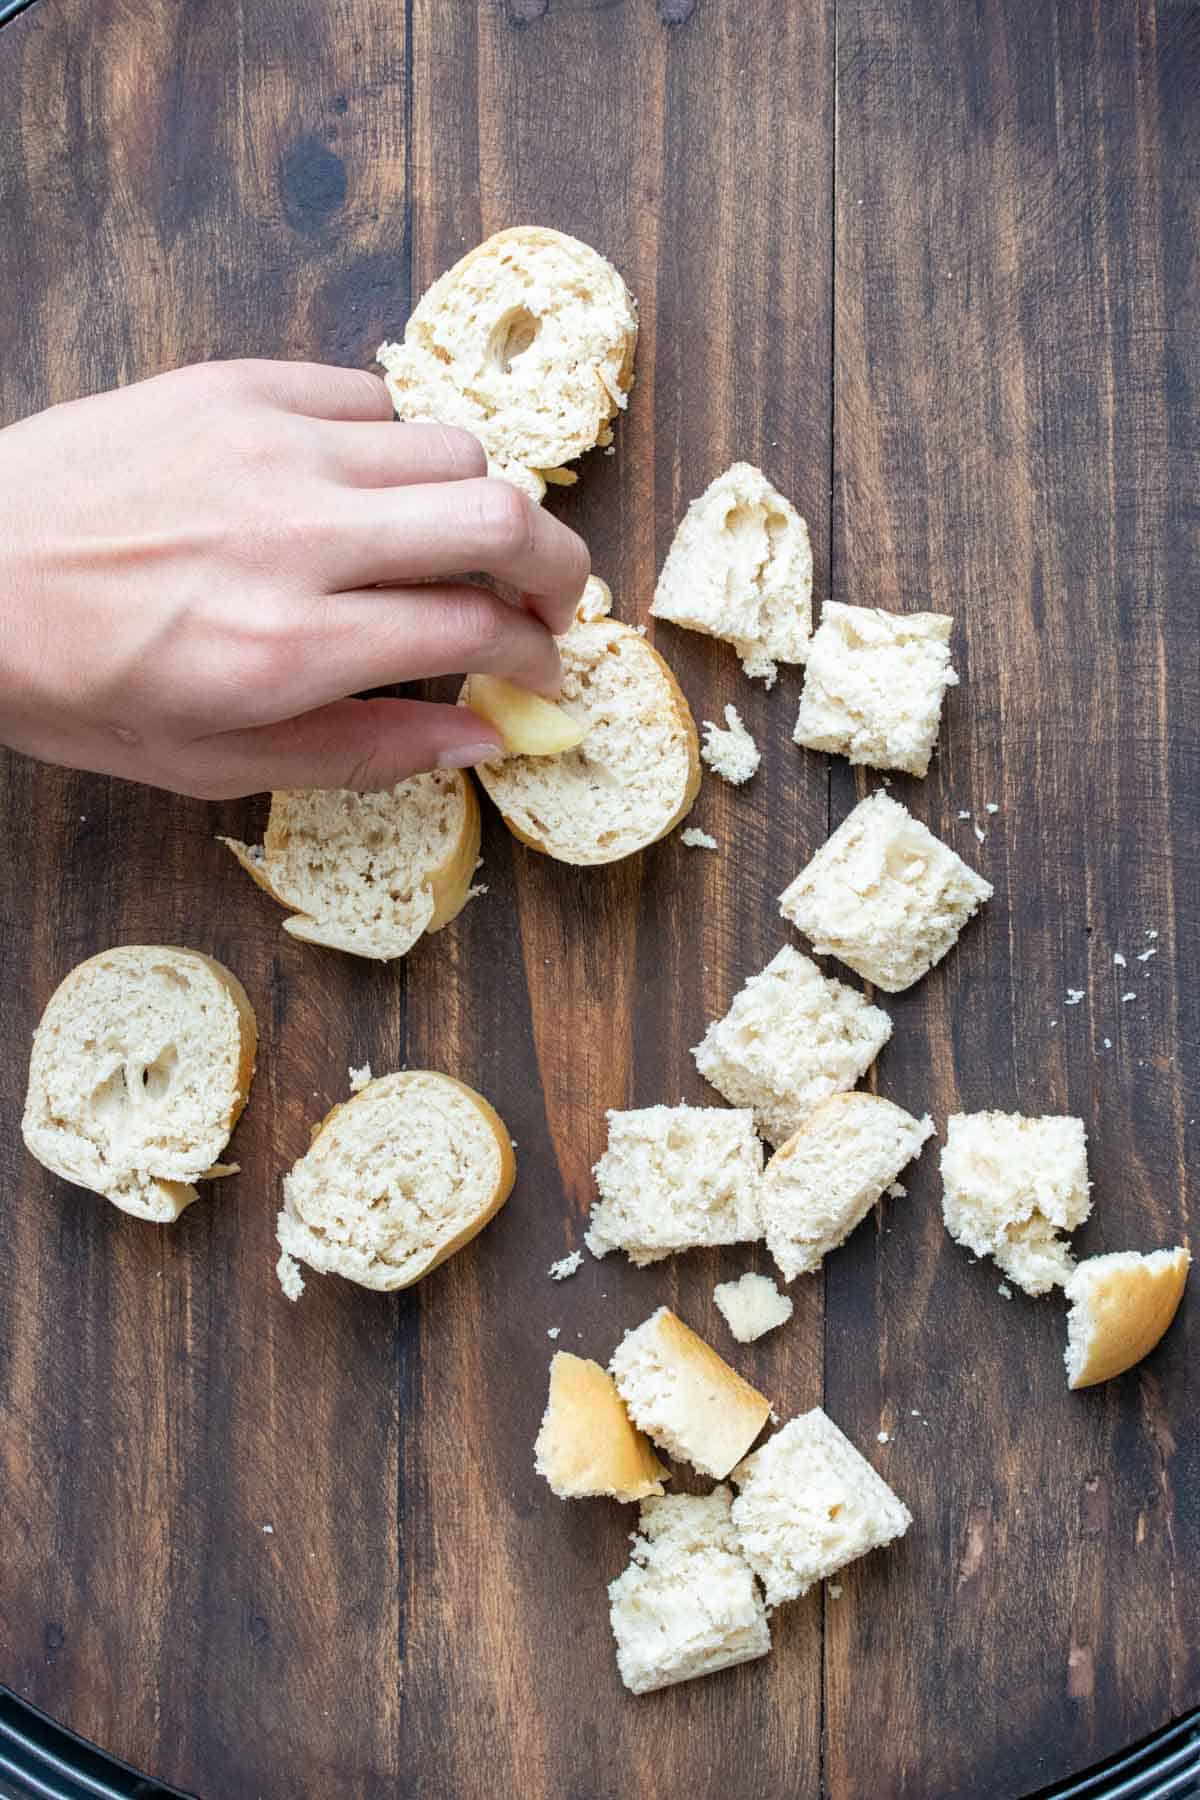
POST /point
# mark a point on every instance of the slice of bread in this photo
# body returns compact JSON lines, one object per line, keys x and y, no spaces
{"x":369,"y":873}
{"x":396,"y":1179}
{"x":740,"y":569}
{"x":1010,"y":1186}
{"x":752,"y":1306}
{"x":587,"y":1444}
{"x":731,"y":752}
{"x":824,"y":1181}
{"x":528,"y":343}
{"x":687,"y":1604}
{"x":637,"y":772}
{"x":141,"y":1066}
{"x":884,"y":895}
{"x":792,"y":1037}
{"x":676,"y":1178}
{"x":686,"y":1397}
{"x":1120,"y":1306}
{"x":873,"y":686}
{"x":808,"y":1505}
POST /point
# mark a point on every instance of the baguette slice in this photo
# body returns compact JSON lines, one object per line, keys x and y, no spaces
{"x":369,"y":873}
{"x":396,"y":1179}
{"x":1121,"y":1305}
{"x":140,"y":1069}
{"x":685,"y":1396}
{"x":636,"y":773}
{"x":587,"y":1445}
{"x":528,"y":343}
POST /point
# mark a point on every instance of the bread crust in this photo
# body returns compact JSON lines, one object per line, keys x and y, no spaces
{"x":1128,"y":1309}
{"x":705,"y":1390}
{"x":588,"y":1445}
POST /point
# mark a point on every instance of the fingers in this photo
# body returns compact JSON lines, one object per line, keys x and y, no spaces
{"x":378,"y":456}
{"x":414,"y":533}
{"x":362,"y":744}
{"x":313,"y":389}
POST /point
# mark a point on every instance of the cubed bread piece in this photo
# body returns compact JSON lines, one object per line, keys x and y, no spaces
{"x":884,"y":895}
{"x":826,"y":1178}
{"x":1120,"y":1307}
{"x":792,"y":1037}
{"x":808,"y":1505}
{"x":587,"y":1444}
{"x":687,"y":1604}
{"x":527,"y":343}
{"x":676,"y":1178}
{"x":686,"y":1397}
{"x":873,"y":686}
{"x":1010,"y":1186}
{"x":752,"y":1306}
{"x":740,"y":569}
{"x":730,"y":753}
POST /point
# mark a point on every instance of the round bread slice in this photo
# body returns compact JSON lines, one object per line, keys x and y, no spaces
{"x":637,"y":772}
{"x":527,"y":342}
{"x":369,"y":873}
{"x":396,"y":1179}
{"x":1120,"y":1307}
{"x":140,"y":1069}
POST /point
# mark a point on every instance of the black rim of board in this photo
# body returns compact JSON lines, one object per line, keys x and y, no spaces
{"x":42,"y":1760}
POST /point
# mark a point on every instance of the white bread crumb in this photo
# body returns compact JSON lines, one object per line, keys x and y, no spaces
{"x":981,"y":834}
{"x":1131,"y":995}
{"x":695,"y":839}
{"x":963,"y":813}
{"x":565,"y":1266}
{"x":731,"y":753}
{"x":1145,"y":955}
{"x":897,"y":1191}
{"x":1004,"y":1290}
{"x":1118,"y":959}
{"x":1108,"y":1043}
{"x":833,"y":1589}
{"x":290,"y":1278}
{"x":359,"y":1077}
{"x":883,"y":1437}
{"x":1074,"y":996}
{"x":752,"y":1306}
{"x":991,"y":806}
{"x":553,"y":1331}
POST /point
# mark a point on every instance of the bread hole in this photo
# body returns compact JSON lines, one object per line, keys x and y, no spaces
{"x":112,"y":1096}
{"x":158,"y":1075}
{"x":512,"y":335}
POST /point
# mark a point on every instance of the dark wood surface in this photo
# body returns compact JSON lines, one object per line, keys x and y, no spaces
{"x":934,"y":268}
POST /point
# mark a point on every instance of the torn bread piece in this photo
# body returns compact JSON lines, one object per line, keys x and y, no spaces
{"x":587,"y":1445}
{"x":791,"y":1037}
{"x":1120,"y":1306}
{"x":635,"y":773}
{"x":687,"y":1604}
{"x":528,"y":343}
{"x":676,"y":1178}
{"x":686,"y":1397}
{"x":825,"y":1179}
{"x":884,"y":895}
{"x":730,"y":753}
{"x":740,"y":569}
{"x":140,"y":1068}
{"x":1011,"y":1187}
{"x":369,"y":873}
{"x":873,"y":686}
{"x":808,"y":1504}
{"x":752,"y":1306}
{"x":396,"y":1179}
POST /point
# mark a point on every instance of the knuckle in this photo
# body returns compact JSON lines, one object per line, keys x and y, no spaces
{"x":477,"y":622}
{"x":507,"y":519}
{"x":464,"y":453}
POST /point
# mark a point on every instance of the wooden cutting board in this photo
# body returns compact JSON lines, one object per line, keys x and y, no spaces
{"x":933,"y":267}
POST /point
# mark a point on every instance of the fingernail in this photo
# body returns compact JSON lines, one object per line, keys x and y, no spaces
{"x":466,"y":756}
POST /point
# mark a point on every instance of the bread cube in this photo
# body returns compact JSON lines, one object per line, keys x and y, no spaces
{"x":675,"y":1178}
{"x":873,"y":686}
{"x":808,"y":1505}
{"x":687,"y":1604}
{"x":884,"y":895}
{"x":792,"y":1037}
{"x":686,"y":1397}
{"x":1010,"y":1186}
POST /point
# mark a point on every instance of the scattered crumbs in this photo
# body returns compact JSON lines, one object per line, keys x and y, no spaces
{"x":991,"y":806}
{"x":1118,"y":960}
{"x":553,"y":1331}
{"x":579,"y":1334}
{"x":1151,"y":934}
{"x":1004,"y":1291}
{"x":269,"y":1530}
{"x":610,"y":450}
{"x":1108,"y":1043}
{"x":1053,"y":1023}
{"x":833,"y":1588}
{"x":883,"y":1437}
{"x":473,"y":893}
{"x":1131,"y":995}
{"x":1145,"y":955}
{"x":359,"y":1077}
{"x":964,"y":814}
{"x":774,"y":1417}
{"x":1074,"y":996}
{"x":695,"y":839}
{"x":83,"y":818}
{"x":915,"y":1413}
{"x":981,"y":834}
{"x":897,"y":1191}
{"x":566,"y":1265}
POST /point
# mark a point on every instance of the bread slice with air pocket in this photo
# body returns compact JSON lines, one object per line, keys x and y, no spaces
{"x":635,"y":774}
{"x":396,"y":1179}
{"x":369,"y":873}
{"x":528,"y":343}
{"x":140,"y":1069}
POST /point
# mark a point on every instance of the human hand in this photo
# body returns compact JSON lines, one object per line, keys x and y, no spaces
{"x":196,"y":571}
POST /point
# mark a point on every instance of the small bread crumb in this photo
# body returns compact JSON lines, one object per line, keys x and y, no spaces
{"x":480,"y":887}
{"x":883,"y":1437}
{"x":290,"y":1278}
{"x":730,"y":753}
{"x":752,"y":1306}
{"x":964,"y":814}
{"x":566,"y":1265}
{"x":1151,"y":934}
{"x":359,"y":1078}
{"x":1004,"y":1290}
{"x":915,"y":1414}
{"x":1108,"y":1043}
{"x":833,"y":1589}
{"x":553,"y":1331}
{"x":991,"y":806}
{"x":1118,"y":960}
{"x":1147,"y":954}
{"x":897,"y":1191}
{"x":1131,"y":995}
{"x":981,"y":834}
{"x":1074,"y":996}
{"x":270,"y":1530}
{"x":695,"y":839}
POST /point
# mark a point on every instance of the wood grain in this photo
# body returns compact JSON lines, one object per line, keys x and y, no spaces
{"x":982,"y":317}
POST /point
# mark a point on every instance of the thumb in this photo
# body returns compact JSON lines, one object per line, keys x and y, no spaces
{"x":367,"y":745}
